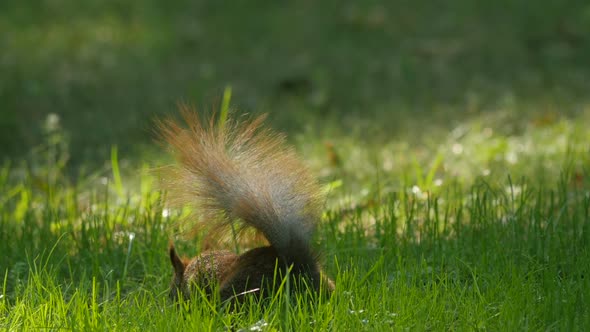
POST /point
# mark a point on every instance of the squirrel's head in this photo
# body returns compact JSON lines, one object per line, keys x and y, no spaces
{"x":178,"y":284}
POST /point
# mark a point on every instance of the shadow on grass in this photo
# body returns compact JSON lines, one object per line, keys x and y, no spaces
{"x":107,"y":68}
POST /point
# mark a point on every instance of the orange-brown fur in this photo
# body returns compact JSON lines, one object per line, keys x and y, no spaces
{"x":238,"y":171}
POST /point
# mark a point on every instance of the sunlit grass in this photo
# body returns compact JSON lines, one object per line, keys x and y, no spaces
{"x":436,"y":243}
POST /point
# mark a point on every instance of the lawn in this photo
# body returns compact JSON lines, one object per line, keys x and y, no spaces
{"x":451,"y":139}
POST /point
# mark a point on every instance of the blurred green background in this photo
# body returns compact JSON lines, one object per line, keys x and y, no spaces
{"x":103,"y":70}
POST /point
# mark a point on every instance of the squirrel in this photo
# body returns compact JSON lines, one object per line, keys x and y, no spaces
{"x":239,"y":171}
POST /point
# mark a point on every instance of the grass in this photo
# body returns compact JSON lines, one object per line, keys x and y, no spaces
{"x":438,"y":252}
{"x":107,"y":68}
{"x":452,"y":139}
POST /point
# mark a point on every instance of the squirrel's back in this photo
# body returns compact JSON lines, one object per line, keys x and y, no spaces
{"x":239,"y":171}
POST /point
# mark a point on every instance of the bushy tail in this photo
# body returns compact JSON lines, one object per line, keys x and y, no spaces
{"x":240,"y":171}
